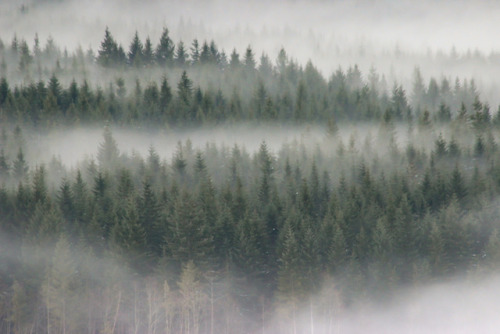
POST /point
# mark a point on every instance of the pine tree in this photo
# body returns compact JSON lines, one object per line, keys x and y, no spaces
{"x":179,"y":162}
{"x":195,"y":52}
{"x":252,"y":246}
{"x":181,"y":56}
{"x":149,"y":218}
{"x":165,"y":97}
{"x":148,"y":54}
{"x":249,"y":60}
{"x":25,"y":57}
{"x":234,"y":62}
{"x":80,"y":199}
{"x":4,"y":166}
{"x":66,"y":204}
{"x":457,"y":184}
{"x":20,"y":167}
{"x":184,"y":93}
{"x":136,"y":52}
{"x":55,"y":88}
{"x":130,"y":237}
{"x":40,"y":195}
{"x":205,"y":55}
{"x":4,"y":91}
{"x":337,"y":255}
{"x":266,"y":170}
{"x":165,"y":50}
{"x":189,"y":238}
{"x":265,"y":66}
{"x":108,"y":51}
{"x":108,"y":153}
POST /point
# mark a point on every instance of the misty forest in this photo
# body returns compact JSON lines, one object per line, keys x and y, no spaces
{"x":177,"y":186}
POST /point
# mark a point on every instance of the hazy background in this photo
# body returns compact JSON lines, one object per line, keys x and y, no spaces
{"x":394,"y":36}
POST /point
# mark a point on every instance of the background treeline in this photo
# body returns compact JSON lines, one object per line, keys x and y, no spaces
{"x":218,"y":239}
{"x":168,"y":83}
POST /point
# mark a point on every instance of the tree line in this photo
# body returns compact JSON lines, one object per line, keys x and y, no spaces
{"x":126,"y":242}
{"x":291,"y":95}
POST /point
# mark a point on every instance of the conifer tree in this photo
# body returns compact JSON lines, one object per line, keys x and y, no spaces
{"x":165,"y":49}
{"x":136,"y":52}
{"x":130,"y":237}
{"x":4,"y":166}
{"x":108,"y":153}
{"x":148,"y":54}
{"x":181,"y":55}
{"x":195,"y":52}
{"x":165,"y":97}
{"x":20,"y":167}
{"x":149,"y":218}
{"x":108,"y":51}
{"x":249,"y":59}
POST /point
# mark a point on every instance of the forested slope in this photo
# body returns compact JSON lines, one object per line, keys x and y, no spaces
{"x":401,"y":190}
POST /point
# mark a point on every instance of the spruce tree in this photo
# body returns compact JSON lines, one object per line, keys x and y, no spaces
{"x":108,"y":51}
{"x":136,"y":52}
{"x":165,"y":50}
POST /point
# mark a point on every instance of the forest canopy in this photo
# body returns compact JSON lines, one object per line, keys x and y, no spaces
{"x":378,"y":187}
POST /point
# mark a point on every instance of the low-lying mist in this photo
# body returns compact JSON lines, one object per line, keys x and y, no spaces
{"x":71,"y":146}
{"x":394,"y":37}
{"x":451,"y":306}
{"x":102,"y":292}
{"x":205,"y":191}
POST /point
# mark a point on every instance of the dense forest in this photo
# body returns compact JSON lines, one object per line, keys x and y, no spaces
{"x":399,"y":190}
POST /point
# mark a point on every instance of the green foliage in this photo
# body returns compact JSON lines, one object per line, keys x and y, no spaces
{"x":218,"y":226}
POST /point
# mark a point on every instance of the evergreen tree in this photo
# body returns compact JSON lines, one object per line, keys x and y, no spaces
{"x":108,"y":153}
{"x":25,"y":57}
{"x":195,"y":52}
{"x":4,"y":166}
{"x":234,"y":61}
{"x":108,"y":51}
{"x":148,"y":54}
{"x":189,"y":238}
{"x":130,"y":236}
{"x":181,"y":56}
{"x":185,"y":90}
{"x":166,"y":49}
{"x":266,"y":169}
{"x":165,"y":96}
{"x":20,"y":167}
{"x":457,"y":184}
{"x":249,"y":59}
{"x":150,"y":219}
{"x":265,"y":66}
{"x":66,"y":203}
{"x":136,"y":52}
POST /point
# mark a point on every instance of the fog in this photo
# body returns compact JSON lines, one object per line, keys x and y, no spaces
{"x":465,"y":304}
{"x":454,"y":306}
{"x":366,"y":179}
{"x":73,"y":145}
{"x":393,"y":36}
